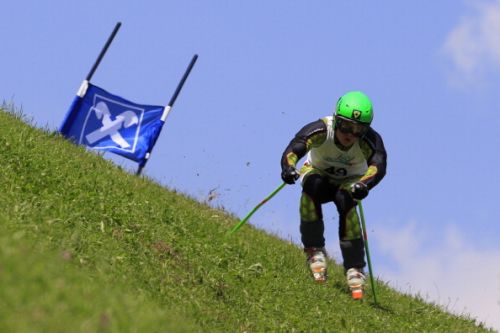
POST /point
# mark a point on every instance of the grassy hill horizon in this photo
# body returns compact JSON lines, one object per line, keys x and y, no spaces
{"x":86,"y":246}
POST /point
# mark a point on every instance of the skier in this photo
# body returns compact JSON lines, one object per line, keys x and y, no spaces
{"x":346,"y":158}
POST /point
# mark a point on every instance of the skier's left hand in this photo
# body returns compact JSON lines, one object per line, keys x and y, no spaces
{"x":359,"y":190}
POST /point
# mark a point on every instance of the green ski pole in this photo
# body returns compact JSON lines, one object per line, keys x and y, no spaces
{"x":365,"y":238}
{"x":246,"y":218}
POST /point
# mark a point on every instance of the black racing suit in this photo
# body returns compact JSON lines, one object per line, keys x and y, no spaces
{"x":320,"y":186}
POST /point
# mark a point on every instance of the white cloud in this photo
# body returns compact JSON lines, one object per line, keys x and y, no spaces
{"x":474,"y":44}
{"x":452,"y":273}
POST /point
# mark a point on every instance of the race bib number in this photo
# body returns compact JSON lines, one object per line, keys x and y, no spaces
{"x":337,"y":172}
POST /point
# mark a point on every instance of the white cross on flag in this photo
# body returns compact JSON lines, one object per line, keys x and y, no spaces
{"x":103,"y":121}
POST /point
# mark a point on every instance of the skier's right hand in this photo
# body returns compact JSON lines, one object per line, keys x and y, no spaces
{"x":289,"y":175}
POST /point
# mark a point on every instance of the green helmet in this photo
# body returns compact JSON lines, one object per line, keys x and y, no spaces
{"x":355,"y":106}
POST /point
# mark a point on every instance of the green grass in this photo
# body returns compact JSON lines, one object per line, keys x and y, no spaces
{"x":88,"y":247}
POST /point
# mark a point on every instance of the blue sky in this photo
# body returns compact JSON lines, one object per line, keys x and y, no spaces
{"x":265,"y":69}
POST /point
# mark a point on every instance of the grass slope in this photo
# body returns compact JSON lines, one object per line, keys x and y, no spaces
{"x":85,"y":246}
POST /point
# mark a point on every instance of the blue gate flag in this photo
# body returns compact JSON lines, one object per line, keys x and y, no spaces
{"x":103,"y":121}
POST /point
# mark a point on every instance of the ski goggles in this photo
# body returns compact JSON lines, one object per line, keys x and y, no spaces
{"x":350,"y":127}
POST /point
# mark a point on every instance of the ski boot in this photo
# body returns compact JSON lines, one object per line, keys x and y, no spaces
{"x":316,"y":259}
{"x":356,"y":282}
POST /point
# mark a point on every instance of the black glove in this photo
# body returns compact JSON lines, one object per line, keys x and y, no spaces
{"x":359,"y":191}
{"x":289,"y":175}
